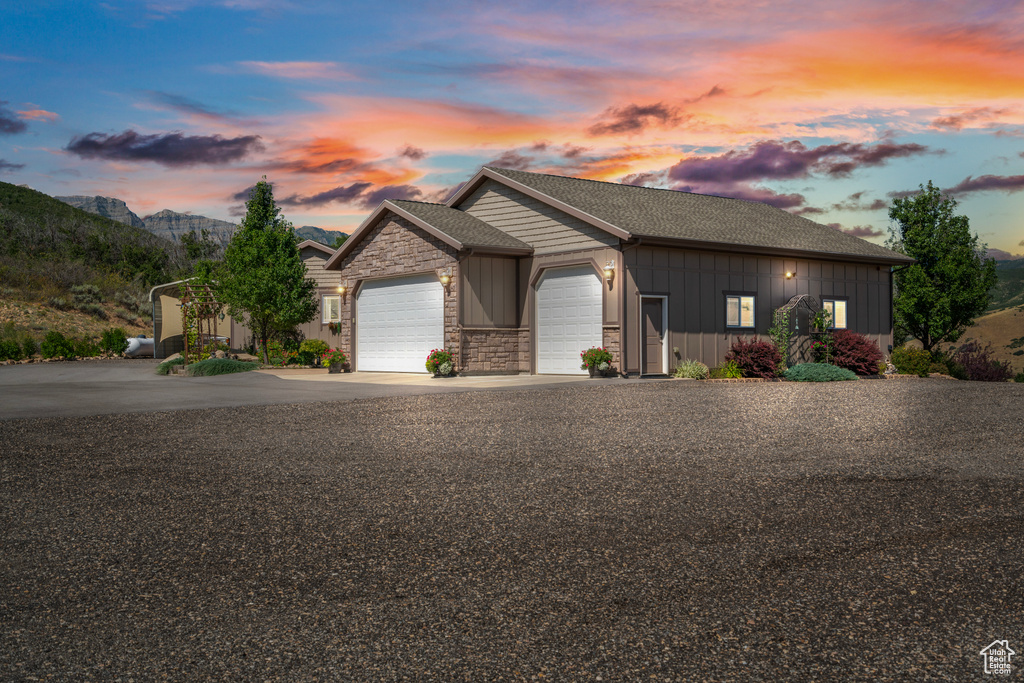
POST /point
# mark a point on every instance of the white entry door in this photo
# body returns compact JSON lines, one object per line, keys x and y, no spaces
{"x":399,"y":321}
{"x":568,"y":318}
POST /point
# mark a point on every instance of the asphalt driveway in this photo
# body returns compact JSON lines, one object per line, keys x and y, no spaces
{"x":649,"y":531}
{"x":81,"y":388}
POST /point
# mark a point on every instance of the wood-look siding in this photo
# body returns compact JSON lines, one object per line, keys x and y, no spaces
{"x":696,"y":283}
{"x":315,"y":260}
{"x":543,"y":227}
{"x":489,"y":296}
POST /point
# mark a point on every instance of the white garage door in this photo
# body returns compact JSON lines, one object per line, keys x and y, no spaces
{"x":398,"y":322}
{"x":568,"y":318}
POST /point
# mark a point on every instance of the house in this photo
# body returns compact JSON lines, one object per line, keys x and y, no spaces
{"x":520,"y":272}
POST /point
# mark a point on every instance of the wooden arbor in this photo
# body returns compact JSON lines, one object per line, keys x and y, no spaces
{"x":200,"y":311}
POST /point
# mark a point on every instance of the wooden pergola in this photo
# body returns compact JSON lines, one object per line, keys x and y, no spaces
{"x":199,"y":302}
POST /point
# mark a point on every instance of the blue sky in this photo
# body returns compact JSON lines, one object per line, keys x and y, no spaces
{"x":825,"y":109}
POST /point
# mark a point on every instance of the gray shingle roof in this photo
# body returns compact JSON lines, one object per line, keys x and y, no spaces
{"x":460,"y":226}
{"x":657,"y":213}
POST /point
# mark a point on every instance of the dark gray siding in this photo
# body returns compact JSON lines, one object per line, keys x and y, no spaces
{"x":489,"y":296}
{"x":696,"y":283}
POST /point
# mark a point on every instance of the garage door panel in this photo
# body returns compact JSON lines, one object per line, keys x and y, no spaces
{"x":569,"y":317}
{"x":398,"y":322}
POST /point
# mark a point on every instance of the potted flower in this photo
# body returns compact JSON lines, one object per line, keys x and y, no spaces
{"x":598,"y":360}
{"x":336,"y":360}
{"x":441,"y":363}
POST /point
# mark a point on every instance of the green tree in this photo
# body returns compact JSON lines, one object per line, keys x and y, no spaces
{"x":263,"y":280}
{"x":938,"y":297}
{"x":339,"y":240}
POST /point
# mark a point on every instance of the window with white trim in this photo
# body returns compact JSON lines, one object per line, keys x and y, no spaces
{"x":331,"y":309}
{"x":739,"y":310}
{"x":837,"y":311}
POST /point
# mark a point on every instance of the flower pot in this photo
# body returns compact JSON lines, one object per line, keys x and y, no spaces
{"x":594,"y":372}
{"x":337,"y":367}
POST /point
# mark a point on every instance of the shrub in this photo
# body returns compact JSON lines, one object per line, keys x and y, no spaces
{"x":220,"y":366}
{"x":855,"y":352}
{"x":728,"y":371}
{"x":56,"y":345}
{"x":59,"y":303}
{"x":94,"y":310}
{"x":114,"y":340}
{"x":316,"y":347}
{"x":594,"y":357}
{"x":912,"y":361}
{"x":28,"y":347}
{"x":437,"y":358}
{"x":1019,"y":377}
{"x":9,"y":350}
{"x":305,"y":358}
{"x":755,"y":358}
{"x":165,"y":367}
{"x":85,"y":294}
{"x":691,"y":369}
{"x":85,"y":347}
{"x":978,"y":364}
{"x":818,"y":372}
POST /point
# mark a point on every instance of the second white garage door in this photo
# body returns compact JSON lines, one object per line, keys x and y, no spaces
{"x":568,"y":318}
{"x":398,"y":322}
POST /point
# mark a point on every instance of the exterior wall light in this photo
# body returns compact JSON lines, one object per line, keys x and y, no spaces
{"x":789,"y":275}
{"x":342,"y":290}
{"x":609,"y":272}
{"x":445,"y":276}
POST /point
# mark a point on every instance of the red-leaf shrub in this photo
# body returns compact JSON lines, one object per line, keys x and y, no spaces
{"x":756,"y":358}
{"x":978,"y":365}
{"x":855,"y":352}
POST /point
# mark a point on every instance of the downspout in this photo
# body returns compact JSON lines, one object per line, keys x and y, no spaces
{"x":623,"y":343}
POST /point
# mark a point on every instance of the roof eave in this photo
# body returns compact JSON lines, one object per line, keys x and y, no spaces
{"x":316,"y":245}
{"x":486,"y":173}
{"x":755,"y":250}
{"x":501,"y":251}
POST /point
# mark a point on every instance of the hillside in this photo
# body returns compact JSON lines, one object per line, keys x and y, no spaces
{"x":325,"y":237}
{"x":172,"y":225}
{"x":1005,"y":331}
{"x":1009,"y":290}
{"x":110,"y":207}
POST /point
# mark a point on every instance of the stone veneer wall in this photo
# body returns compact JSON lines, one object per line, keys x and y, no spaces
{"x":611,"y":337}
{"x":396,"y":247}
{"x":493,"y":351}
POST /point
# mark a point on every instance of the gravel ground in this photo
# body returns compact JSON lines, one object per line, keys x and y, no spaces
{"x":659,"y":531}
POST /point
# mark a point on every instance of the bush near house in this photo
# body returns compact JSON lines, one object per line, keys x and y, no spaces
{"x":165,"y":367}
{"x":855,"y":352}
{"x":818,"y":372}
{"x":691,"y":369}
{"x":220,"y":366}
{"x":728,"y":371}
{"x":978,"y":364}
{"x":114,"y":340}
{"x":56,"y":345}
{"x":909,"y":361}
{"x":1019,"y":377}
{"x":755,"y":358}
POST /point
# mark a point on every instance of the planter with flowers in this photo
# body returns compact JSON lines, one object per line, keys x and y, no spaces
{"x":441,"y":363}
{"x":336,"y":361}
{"x":597,"y":360}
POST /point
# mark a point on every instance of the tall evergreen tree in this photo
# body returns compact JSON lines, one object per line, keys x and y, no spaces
{"x":938,"y":297}
{"x":263,"y":280}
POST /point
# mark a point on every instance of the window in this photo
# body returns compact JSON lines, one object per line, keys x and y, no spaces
{"x":331,"y":309}
{"x":837,"y":309}
{"x":739,"y":311}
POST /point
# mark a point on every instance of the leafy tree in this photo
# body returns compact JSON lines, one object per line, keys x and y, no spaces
{"x":938,"y":297}
{"x":339,"y":240}
{"x":199,"y":245}
{"x":263,"y":280}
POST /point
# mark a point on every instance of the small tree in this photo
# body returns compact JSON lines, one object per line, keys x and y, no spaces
{"x":263,"y":279}
{"x":781,"y":332}
{"x":938,"y":297}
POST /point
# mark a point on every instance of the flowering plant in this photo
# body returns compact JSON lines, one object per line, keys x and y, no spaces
{"x":440,"y":362}
{"x":334,"y":356}
{"x":594,"y":357}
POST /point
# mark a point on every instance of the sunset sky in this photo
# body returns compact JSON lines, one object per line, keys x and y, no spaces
{"x":827,"y":109}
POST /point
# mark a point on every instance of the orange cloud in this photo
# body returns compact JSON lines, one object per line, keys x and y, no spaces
{"x":38,"y":115}
{"x":331,"y":71}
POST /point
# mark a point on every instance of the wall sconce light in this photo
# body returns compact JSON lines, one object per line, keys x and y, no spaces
{"x":609,"y":271}
{"x":789,"y":275}
{"x":343,"y":290}
{"x":445,"y":276}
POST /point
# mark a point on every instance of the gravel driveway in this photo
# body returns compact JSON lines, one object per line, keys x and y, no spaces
{"x":652,"y":531}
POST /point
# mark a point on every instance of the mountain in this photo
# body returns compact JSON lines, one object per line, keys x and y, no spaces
{"x":172,"y":225}
{"x":110,"y":207}
{"x":325,"y":237}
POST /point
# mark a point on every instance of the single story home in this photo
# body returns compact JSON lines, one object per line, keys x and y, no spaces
{"x":520,"y":272}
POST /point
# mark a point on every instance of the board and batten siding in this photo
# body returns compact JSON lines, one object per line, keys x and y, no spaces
{"x":696,"y":283}
{"x":489,"y":296}
{"x":543,"y":227}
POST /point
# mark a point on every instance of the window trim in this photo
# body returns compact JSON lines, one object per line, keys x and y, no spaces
{"x":740,"y":296}
{"x":324,"y":310}
{"x":832,"y":300}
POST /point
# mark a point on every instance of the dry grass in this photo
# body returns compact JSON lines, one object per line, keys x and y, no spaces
{"x":1000,"y":328}
{"x":38,"y":319}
